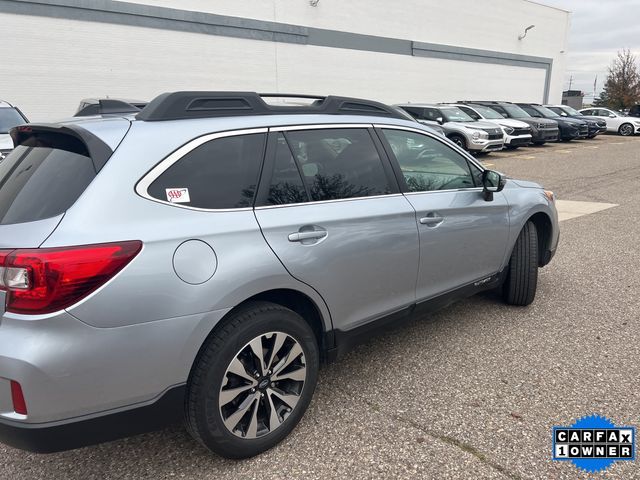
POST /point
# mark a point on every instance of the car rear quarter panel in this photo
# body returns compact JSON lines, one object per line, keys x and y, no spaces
{"x":148,"y":289}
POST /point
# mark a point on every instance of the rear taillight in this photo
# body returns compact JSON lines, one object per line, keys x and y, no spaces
{"x":17,"y":397}
{"x":44,"y":280}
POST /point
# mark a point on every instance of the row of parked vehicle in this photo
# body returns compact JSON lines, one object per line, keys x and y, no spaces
{"x":476,"y":126}
{"x":486,"y":126}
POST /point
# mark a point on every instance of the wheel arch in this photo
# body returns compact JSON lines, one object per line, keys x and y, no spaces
{"x":300,"y":303}
{"x":544,"y":229}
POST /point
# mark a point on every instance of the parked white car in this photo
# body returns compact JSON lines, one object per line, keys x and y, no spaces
{"x":616,"y":122}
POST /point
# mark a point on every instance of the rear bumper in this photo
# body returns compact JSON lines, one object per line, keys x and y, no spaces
{"x":58,"y":436}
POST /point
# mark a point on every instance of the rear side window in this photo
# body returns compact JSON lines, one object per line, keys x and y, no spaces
{"x":43,"y":177}
{"x":339,"y":163}
{"x":222,"y":173}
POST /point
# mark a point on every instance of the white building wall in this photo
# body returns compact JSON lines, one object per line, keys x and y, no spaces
{"x":49,"y":64}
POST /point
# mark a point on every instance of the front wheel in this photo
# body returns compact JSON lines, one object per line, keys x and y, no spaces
{"x":252,"y":381}
{"x":459,"y":140}
{"x":522,"y":273}
{"x":625,"y":129}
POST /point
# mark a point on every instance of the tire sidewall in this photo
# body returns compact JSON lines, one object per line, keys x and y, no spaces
{"x":211,"y":429}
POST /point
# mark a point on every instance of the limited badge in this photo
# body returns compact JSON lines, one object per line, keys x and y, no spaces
{"x":178,"y":195}
{"x":593,"y":443}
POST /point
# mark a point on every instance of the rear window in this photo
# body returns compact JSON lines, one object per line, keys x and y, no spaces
{"x":42,"y":177}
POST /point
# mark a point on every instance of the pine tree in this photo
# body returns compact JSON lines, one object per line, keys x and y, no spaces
{"x":622,"y":87}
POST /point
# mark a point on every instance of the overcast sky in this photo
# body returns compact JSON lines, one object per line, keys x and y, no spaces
{"x":599,"y":28}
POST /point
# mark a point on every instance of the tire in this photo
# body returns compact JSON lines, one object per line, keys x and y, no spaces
{"x":242,"y":424}
{"x":626,"y":129}
{"x":459,"y":140}
{"x":522,"y":273}
{"x":511,"y":147}
{"x":538,"y":143}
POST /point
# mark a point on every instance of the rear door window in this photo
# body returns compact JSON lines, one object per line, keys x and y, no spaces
{"x":43,"y":177}
{"x":339,"y":163}
{"x":222,"y":173}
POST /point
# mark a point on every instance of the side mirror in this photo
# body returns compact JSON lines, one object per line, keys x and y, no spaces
{"x":611,"y":115}
{"x":440,"y":120}
{"x":492,"y":182}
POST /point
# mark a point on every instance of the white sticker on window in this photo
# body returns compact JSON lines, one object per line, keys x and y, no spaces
{"x":178,"y":195}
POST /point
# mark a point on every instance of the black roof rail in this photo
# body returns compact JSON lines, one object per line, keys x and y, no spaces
{"x":184,"y":105}
{"x":106,"y":106}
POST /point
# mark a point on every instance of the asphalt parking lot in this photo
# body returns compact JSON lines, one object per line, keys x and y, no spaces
{"x":469,"y":392}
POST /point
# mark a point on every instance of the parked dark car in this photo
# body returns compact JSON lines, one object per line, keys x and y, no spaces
{"x":570,"y":128}
{"x":542,"y":129}
{"x":634,"y":111}
{"x":596,"y":125}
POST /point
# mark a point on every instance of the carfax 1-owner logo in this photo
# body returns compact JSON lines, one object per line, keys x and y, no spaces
{"x":594,"y":443}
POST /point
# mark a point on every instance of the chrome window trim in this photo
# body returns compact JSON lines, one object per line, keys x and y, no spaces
{"x":143,"y":184}
{"x":317,"y":202}
{"x":318,"y":126}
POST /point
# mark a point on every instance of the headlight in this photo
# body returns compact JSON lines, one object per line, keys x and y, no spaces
{"x":508,"y":130}
{"x":475,"y":135}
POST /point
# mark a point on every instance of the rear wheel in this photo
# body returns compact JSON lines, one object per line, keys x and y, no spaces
{"x":522,"y":273}
{"x":625,"y":129}
{"x":252,"y":381}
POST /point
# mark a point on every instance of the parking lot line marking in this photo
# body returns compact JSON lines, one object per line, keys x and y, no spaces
{"x":489,"y":164}
{"x":568,"y":209}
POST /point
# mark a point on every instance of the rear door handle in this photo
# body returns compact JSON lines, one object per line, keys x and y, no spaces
{"x":311,"y":235}
{"x":432,"y":220}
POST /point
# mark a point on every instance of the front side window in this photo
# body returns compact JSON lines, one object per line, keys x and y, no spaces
{"x":339,"y":163}
{"x":531,"y":111}
{"x":222,"y":173}
{"x":471,"y":113}
{"x":428,"y":164}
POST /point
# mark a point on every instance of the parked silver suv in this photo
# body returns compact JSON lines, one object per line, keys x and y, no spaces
{"x":199,"y":260}
{"x":466,"y":132}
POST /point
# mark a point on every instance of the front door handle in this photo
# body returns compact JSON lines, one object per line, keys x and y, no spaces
{"x":432,"y":219}
{"x":308,"y":235}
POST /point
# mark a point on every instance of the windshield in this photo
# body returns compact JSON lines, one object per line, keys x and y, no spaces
{"x":488,"y":113}
{"x":9,"y":118}
{"x":547,"y":112}
{"x":515,"y":111}
{"x":570,"y":111}
{"x":454,"y":114}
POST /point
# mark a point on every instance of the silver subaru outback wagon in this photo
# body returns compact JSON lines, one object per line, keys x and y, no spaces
{"x":198,"y":261}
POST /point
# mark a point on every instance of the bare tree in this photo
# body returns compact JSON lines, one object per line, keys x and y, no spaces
{"x":622,"y":87}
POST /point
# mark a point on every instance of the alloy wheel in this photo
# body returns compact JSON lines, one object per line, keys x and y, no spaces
{"x":626,"y":129}
{"x":262,"y":385}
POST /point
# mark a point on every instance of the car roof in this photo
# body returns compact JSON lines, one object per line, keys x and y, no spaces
{"x":5,"y":104}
